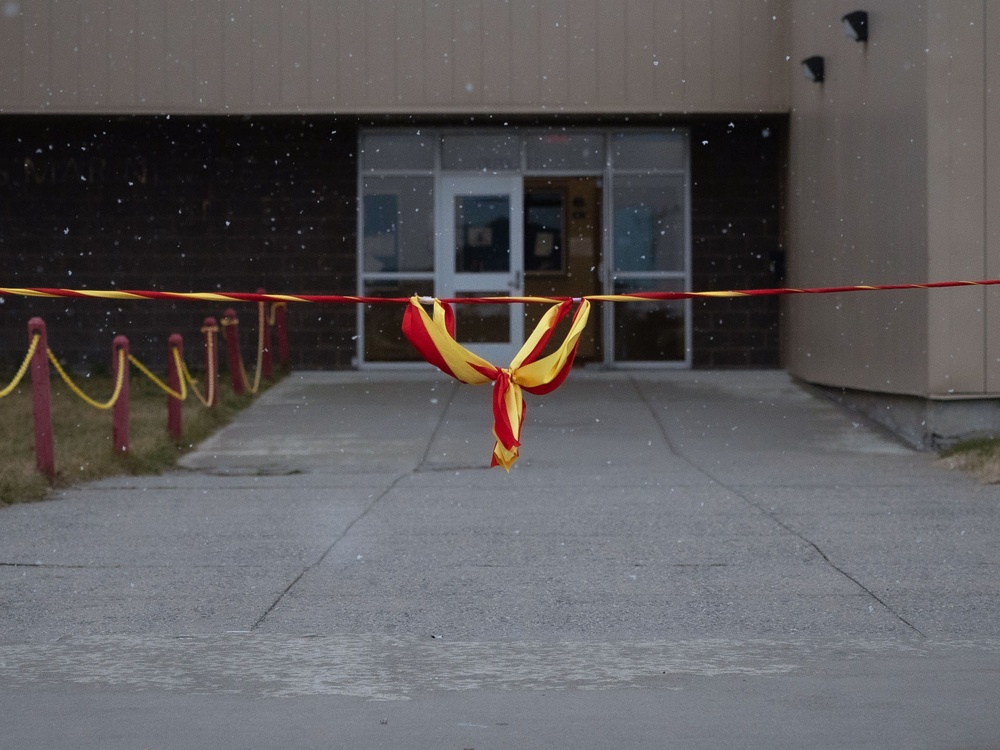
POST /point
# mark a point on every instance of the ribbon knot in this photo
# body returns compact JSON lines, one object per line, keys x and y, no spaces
{"x":434,"y":338}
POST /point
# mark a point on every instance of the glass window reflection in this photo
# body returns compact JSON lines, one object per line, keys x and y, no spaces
{"x":482,"y":233}
{"x":398,"y":224}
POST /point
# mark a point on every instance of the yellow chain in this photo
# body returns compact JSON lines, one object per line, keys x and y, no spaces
{"x":73,"y":387}
{"x":24,"y":366}
{"x":179,"y":395}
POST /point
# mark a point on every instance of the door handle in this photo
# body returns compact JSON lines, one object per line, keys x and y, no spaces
{"x":515,"y":283}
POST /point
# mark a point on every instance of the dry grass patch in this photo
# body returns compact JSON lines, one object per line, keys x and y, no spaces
{"x":82,"y":434}
{"x":980,"y":457}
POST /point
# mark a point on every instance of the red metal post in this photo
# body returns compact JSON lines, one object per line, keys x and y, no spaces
{"x":210,"y":328}
{"x":119,"y":412}
{"x":265,"y":326}
{"x":41,"y":399}
{"x":281,"y":328}
{"x":230,"y":327}
{"x":174,"y":344}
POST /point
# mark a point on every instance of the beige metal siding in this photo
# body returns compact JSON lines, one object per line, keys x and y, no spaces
{"x":857,"y":199}
{"x":353,"y":56}
{"x":956,"y":194}
{"x":992,"y":205}
{"x":893,"y":178}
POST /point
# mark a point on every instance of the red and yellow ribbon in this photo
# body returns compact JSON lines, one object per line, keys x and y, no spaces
{"x":147,"y":294}
{"x":434,"y":338}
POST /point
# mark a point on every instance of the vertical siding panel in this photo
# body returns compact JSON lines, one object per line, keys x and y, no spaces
{"x":639,"y":37}
{"x":669,"y":51}
{"x":380,"y":56}
{"x":439,"y":52}
{"x":121,"y":52}
{"x":956,"y":199}
{"x":992,"y":271}
{"x":12,"y":46}
{"x":178,"y":61}
{"x":65,"y":52}
{"x":497,"y":52}
{"x":150,"y":53}
{"x":583,"y":52}
{"x":352,"y":68}
{"x":754,"y":63}
{"x":764,"y":72}
{"x":611,"y":46}
{"x":323,"y":56}
{"x":209,"y":55}
{"x":698,"y":53}
{"x":409,"y":53}
{"x":237,"y":39}
{"x":37,"y":75}
{"x":295,"y":53}
{"x":266,"y":53}
{"x":727,"y":53}
{"x":779,"y":40}
{"x":468,"y":34}
{"x":524,"y":47}
{"x":553,"y":41}
{"x":93,"y":53}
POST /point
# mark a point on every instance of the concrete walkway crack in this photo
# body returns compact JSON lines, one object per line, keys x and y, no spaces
{"x":774,"y":518}
{"x":365,"y":512}
{"x":437,"y":427}
{"x":328,"y":550}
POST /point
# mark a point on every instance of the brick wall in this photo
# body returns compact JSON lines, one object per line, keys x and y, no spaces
{"x":182,"y":204}
{"x":736,"y":169}
{"x":196,"y":204}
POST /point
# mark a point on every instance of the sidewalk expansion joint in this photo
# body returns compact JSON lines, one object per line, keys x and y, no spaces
{"x":786,"y":527}
{"x":794,"y":532}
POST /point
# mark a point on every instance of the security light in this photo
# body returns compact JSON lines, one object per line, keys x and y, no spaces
{"x":856,"y":25}
{"x":813,"y":68}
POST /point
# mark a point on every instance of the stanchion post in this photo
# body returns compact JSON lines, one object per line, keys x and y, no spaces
{"x":41,"y":399}
{"x":281,"y":329}
{"x":230,"y":328}
{"x":174,"y":344}
{"x":210,"y":328}
{"x":119,"y":412}
{"x":265,"y":326}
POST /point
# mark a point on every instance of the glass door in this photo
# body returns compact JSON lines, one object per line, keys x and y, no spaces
{"x":479,"y":252}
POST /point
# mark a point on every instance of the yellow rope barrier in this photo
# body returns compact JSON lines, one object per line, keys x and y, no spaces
{"x":205,"y":400}
{"x":273,"y":315}
{"x":261,"y":330}
{"x":23,"y":368}
{"x":179,"y":395}
{"x":261,"y":322}
{"x":186,"y":374}
{"x":73,"y":386}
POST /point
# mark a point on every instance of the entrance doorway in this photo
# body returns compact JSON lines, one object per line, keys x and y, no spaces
{"x":506,"y":235}
{"x":479,"y":252}
{"x":543,"y":212}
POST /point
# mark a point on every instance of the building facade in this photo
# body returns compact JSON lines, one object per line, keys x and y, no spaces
{"x":468,"y":147}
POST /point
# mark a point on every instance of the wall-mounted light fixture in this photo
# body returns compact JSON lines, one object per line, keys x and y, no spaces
{"x":856,"y":25}
{"x":813,"y":68}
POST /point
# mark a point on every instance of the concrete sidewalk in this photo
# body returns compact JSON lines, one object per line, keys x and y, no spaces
{"x":679,"y":559}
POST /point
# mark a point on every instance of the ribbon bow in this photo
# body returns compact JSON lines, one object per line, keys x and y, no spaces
{"x":434,"y":338}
